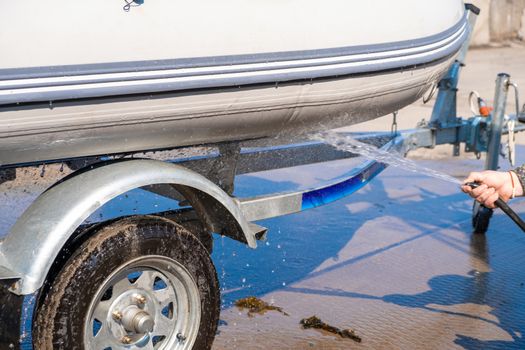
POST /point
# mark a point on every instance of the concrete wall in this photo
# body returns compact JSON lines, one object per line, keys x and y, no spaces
{"x":500,"y":21}
{"x":521,"y":33}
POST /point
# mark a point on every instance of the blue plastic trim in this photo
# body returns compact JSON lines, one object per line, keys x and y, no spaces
{"x":325,"y":195}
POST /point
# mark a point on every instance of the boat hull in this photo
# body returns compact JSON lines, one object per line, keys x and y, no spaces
{"x":119,"y":125}
{"x":69,"y":98}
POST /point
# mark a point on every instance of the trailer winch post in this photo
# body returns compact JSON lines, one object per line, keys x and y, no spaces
{"x":496,"y":121}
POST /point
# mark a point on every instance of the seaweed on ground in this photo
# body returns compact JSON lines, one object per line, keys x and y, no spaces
{"x":315,"y":322}
{"x":257,"y":306}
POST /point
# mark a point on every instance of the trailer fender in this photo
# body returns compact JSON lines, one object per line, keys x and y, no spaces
{"x":32,"y":245}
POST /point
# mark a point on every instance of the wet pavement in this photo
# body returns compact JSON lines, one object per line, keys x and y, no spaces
{"x":396,"y":262}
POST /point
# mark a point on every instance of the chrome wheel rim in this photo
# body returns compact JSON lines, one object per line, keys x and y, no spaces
{"x":149,"y":303}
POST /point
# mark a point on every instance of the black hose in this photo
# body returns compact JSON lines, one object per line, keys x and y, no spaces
{"x":504,"y":207}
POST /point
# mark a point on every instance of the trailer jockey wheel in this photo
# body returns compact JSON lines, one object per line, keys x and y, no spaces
{"x":137,"y":283}
{"x":480,"y":217}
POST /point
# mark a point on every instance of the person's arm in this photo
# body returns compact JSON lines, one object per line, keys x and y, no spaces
{"x":496,"y":184}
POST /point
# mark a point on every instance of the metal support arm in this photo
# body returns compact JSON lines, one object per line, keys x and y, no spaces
{"x":288,"y":203}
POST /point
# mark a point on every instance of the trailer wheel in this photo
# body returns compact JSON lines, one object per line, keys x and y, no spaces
{"x":138,"y":283}
{"x":480,"y":218}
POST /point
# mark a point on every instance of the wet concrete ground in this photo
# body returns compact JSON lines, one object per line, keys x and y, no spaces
{"x":396,"y":262}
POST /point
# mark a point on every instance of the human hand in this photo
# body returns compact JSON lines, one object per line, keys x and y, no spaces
{"x":493,"y":185}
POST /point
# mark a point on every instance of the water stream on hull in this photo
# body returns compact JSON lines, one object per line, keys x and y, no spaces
{"x":349,"y":144}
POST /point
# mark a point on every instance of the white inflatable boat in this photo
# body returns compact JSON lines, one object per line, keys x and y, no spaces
{"x":101,"y":77}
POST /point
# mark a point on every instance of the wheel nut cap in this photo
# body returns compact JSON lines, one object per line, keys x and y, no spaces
{"x":144,"y":324}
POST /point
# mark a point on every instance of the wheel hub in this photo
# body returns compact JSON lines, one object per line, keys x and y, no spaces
{"x":150,"y":303}
{"x":136,"y":320}
{"x":131,"y":316}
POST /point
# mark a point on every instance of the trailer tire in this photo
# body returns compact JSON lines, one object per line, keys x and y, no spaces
{"x":480,"y":218}
{"x":137,"y":283}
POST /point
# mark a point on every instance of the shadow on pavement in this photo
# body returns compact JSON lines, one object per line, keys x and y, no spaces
{"x":498,"y":289}
{"x":296,"y":249}
{"x":484,"y":288}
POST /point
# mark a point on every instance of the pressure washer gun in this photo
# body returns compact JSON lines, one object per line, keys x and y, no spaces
{"x":504,"y":207}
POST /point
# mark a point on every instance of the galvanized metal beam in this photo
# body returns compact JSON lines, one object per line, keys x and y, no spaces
{"x":264,"y":207}
{"x":496,"y":121}
{"x":30,"y":248}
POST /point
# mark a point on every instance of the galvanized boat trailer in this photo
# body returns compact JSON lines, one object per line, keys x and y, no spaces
{"x":147,"y":282}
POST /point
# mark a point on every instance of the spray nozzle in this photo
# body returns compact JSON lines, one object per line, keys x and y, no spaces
{"x":473,"y":185}
{"x":503,"y":206}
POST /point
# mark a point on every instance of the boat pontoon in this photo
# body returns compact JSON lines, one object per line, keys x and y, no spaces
{"x":104,"y":77}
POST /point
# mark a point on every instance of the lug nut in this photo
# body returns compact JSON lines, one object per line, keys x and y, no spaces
{"x":140,"y":299}
{"x":125,"y":340}
{"x":117,"y":316}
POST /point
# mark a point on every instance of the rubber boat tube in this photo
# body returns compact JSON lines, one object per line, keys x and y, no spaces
{"x":206,"y":73}
{"x":98,"y":80}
